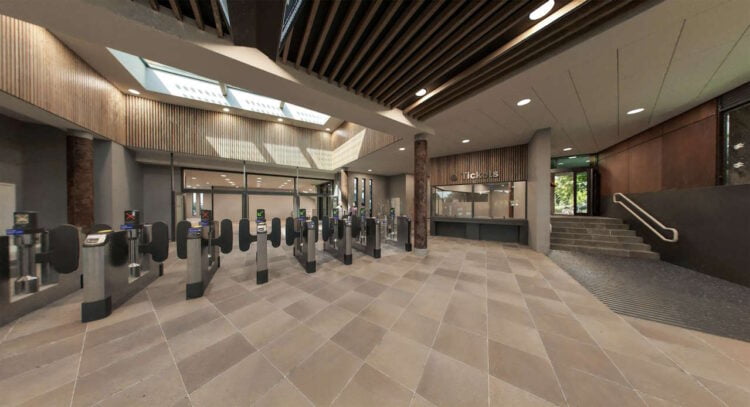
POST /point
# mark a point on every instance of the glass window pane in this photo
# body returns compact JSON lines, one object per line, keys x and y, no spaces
{"x":482,"y":200}
{"x":518,"y":200}
{"x":452,"y":201}
{"x":356,"y":192}
{"x":582,"y":192}
{"x":737,"y":138}
{"x":563,"y":193}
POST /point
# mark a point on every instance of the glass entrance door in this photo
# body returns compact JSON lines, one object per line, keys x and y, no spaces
{"x":571,"y":192}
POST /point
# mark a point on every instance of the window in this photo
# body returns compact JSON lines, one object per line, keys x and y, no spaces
{"x":364,"y":201}
{"x":504,"y":200}
{"x":452,"y":201}
{"x":736,"y":129}
{"x":356,"y":192}
{"x":370,"y":183}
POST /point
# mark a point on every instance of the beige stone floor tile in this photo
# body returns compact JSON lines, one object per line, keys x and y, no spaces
{"x":41,"y":337}
{"x":269,"y":328}
{"x":312,"y":285}
{"x":40,"y":356}
{"x":251,"y":313}
{"x":567,"y":353}
{"x":38,"y":382}
{"x":417,"y":275}
{"x":386,"y":277}
{"x":708,"y":363}
{"x":381,"y":313}
{"x":468,"y":287}
{"x":472,"y":319}
{"x":57,"y":397}
{"x":396,"y":297}
{"x":286,"y":297}
{"x":180,"y":307}
{"x":440,"y":282}
{"x":240,"y":384}
{"x":524,"y":370}
{"x":448,"y":382}
{"x":371,"y":288}
{"x":324,"y":374}
{"x":306,"y":307}
{"x":163,"y":388}
{"x":292,"y":348}
{"x":370,"y":388}
{"x":201,"y":337}
{"x":351,"y":282}
{"x":652,"y":401}
{"x":283,"y":394}
{"x":184,"y":323}
{"x":354,"y":302}
{"x":329,"y":320}
{"x":584,"y":389}
{"x":731,"y":395}
{"x":462,"y":345}
{"x":400,"y":358}
{"x":359,"y":337}
{"x":419,"y":401}
{"x":564,"y":325}
{"x":539,"y":304}
{"x":96,"y":357}
{"x":417,"y":327}
{"x":504,"y":394}
{"x":735,"y":349}
{"x":330,"y":293}
{"x":206,"y":364}
{"x":663,"y":382}
{"x":665,"y":333}
{"x":430,"y":302}
{"x":236,"y":302}
{"x":408,"y":285}
{"x":519,"y":336}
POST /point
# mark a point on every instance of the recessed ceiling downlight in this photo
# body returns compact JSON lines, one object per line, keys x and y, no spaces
{"x":523,"y":102}
{"x":133,"y":91}
{"x":567,"y":148}
{"x":402,"y":149}
{"x":542,"y":10}
{"x":636,"y":111}
{"x":280,"y":119}
{"x":421,"y":92}
{"x":225,"y":109}
{"x":465,"y":140}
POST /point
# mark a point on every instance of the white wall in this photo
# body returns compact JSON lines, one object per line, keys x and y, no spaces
{"x":539,"y":191}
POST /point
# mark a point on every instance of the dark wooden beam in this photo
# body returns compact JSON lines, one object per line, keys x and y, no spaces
{"x":176,"y":10}
{"x":306,"y":35}
{"x":353,"y":7}
{"x":285,"y":52}
{"x":197,"y":14}
{"x":154,"y":4}
{"x":362,"y":25}
{"x":379,"y":26}
{"x":217,"y":18}
{"x":323,"y":33}
{"x":257,"y":24}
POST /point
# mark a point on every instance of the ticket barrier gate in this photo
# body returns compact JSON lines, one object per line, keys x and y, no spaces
{"x":398,"y":231}
{"x":200,"y":245}
{"x":37,"y":265}
{"x":337,"y":237}
{"x":261,"y":239}
{"x":302,"y":234}
{"x":366,"y":235}
{"x":119,"y":264}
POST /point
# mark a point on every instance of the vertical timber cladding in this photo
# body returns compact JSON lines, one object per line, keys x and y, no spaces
{"x":480,"y":167}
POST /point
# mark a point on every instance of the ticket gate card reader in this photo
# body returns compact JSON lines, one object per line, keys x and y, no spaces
{"x":398,"y":231}
{"x":137,"y":237}
{"x":200,"y":245}
{"x":337,"y":237}
{"x":261,"y":239}
{"x":302,"y":234}
{"x":366,"y":235}
{"x":107,"y":261}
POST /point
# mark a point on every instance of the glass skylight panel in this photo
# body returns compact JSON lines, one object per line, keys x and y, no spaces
{"x":256,"y":103}
{"x":158,"y":65}
{"x":178,"y":85}
{"x":305,"y":115}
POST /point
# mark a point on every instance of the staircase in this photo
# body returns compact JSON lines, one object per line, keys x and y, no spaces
{"x":599,"y":235}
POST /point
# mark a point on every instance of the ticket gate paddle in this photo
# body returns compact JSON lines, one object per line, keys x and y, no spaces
{"x":398,"y":231}
{"x":36,"y":265}
{"x":366,"y":235}
{"x":302,"y":234}
{"x":261,"y":239}
{"x":118,"y":264}
{"x":200,"y":245}
{"x":337,"y":237}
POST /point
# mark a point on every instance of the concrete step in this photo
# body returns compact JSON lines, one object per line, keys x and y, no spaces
{"x":601,"y":237}
{"x":601,"y":243}
{"x":594,"y":231}
{"x":585,"y":219}
{"x":589,"y":225}
{"x":642,"y":254}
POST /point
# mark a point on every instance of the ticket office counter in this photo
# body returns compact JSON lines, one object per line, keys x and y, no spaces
{"x":499,"y":230}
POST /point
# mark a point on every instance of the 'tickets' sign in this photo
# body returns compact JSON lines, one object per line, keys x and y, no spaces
{"x":476,"y":175}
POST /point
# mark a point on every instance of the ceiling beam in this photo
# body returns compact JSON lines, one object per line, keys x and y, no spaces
{"x":197,"y":14}
{"x":353,"y":7}
{"x":217,"y":18}
{"x":392,"y":31}
{"x":324,"y":32}
{"x":362,"y":25}
{"x":154,"y":4}
{"x":285,"y":52}
{"x":256,"y":24}
{"x":176,"y":10}
{"x":306,"y":36}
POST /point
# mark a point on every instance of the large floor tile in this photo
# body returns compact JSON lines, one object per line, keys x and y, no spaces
{"x":292,"y":348}
{"x":240,"y":384}
{"x":448,"y":382}
{"x":400,"y":358}
{"x":525,"y":371}
{"x":370,"y":388}
{"x":322,"y":376}
{"x":359,"y":337}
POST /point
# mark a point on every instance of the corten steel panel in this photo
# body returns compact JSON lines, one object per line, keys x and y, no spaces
{"x":689,"y":156}
{"x":694,"y":115}
{"x":39,"y":69}
{"x":614,"y":174}
{"x":644,"y":168}
{"x":510,"y":162}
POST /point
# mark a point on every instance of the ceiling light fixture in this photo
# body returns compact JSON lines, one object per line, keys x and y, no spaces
{"x":280,"y":119}
{"x":572,"y":156}
{"x":223,"y":175}
{"x":226,"y":109}
{"x":523,"y":102}
{"x":421,"y":92}
{"x":369,"y":170}
{"x":133,"y":91}
{"x":402,"y":149}
{"x":328,"y":129}
{"x":636,"y":111}
{"x":567,"y":148}
{"x":465,"y":140}
{"x":542,"y":10}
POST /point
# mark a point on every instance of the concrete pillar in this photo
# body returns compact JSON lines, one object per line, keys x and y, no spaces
{"x":342,"y":180}
{"x":80,"y":174}
{"x":539,"y":190}
{"x":421,"y":195}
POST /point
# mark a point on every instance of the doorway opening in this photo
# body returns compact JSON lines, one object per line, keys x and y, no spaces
{"x":572,"y":192}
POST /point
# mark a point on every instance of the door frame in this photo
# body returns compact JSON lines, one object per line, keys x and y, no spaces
{"x":589,"y":186}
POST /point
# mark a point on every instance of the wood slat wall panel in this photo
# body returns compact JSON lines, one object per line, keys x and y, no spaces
{"x":37,"y":68}
{"x":510,"y":162}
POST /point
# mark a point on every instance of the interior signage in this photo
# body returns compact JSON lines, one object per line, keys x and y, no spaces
{"x":476,"y":175}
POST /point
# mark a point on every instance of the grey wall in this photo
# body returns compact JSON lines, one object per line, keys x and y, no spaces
{"x":33,"y":158}
{"x":379,"y":187}
{"x":402,"y":187}
{"x":117,"y":183}
{"x":539,"y":191}
{"x":156,"y":194}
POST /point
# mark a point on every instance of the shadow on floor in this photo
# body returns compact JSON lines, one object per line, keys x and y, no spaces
{"x":662,"y":292}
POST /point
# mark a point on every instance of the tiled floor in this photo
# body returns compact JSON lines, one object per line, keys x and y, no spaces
{"x":470,"y":324}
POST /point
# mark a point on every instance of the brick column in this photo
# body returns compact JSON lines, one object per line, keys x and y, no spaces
{"x":420,"y":194}
{"x":80,"y":165}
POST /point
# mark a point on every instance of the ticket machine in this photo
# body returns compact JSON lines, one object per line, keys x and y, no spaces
{"x":200,"y":245}
{"x":118,"y":264}
{"x":261,"y":239}
{"x":302,"y":234}
{"x":337,"y":237}
{"x":366,"y":234}
{"x":398,"y":230}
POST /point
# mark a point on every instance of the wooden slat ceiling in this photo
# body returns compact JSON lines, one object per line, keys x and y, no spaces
{"x":206,"y":14}
{"x":386,"y":50}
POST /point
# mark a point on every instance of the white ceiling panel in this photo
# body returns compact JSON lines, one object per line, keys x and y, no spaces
{"x":596,"y":83}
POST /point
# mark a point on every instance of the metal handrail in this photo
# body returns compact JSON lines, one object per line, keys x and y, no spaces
{"x":675,"y":234}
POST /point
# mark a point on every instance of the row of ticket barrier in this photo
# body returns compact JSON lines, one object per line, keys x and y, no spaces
{"x":117,"y":264}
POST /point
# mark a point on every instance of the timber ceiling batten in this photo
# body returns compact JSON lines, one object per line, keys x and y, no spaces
{"x":207,"y":14}
{"x":387,"y":50}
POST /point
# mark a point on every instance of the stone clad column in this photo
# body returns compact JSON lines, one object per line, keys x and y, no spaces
{"x":342,"y":179}
{"x":80,"y":166}
{"x":539,"y":191}
{"x":420,"y":194}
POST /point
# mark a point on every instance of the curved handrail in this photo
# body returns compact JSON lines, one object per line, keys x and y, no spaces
{"x":675,"y":234}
